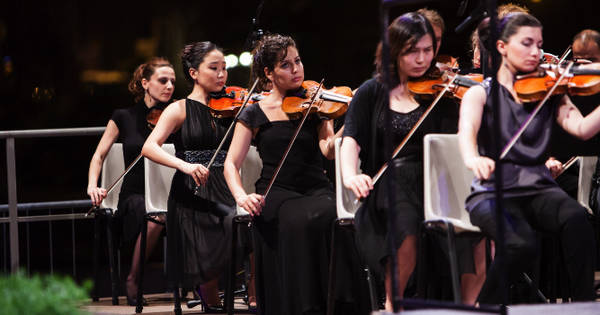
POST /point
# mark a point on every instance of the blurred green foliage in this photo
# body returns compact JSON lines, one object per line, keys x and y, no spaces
{"x":41,"y":294}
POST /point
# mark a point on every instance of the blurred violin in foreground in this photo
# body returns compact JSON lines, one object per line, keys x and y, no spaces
{"x":330,"y":103}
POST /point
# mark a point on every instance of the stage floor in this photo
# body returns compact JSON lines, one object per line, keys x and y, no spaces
{"x":158,"y":304}
{"x":589,"y":308}
{"x":162,"y":303}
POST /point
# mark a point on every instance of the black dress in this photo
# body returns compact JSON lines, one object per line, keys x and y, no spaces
{"x":365,"y":124}
{"x":198,"y":229}
{"x":133,"y":131}
{"x":292,"y":235}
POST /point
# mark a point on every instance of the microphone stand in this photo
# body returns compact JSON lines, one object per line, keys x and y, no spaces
{"x":385,"y":59}
{"x":480,"y":12}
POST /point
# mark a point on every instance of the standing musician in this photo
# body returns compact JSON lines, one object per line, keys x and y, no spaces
{"x":198,"y":226}
{"x":292,"y":225}
{"x":533,"y":200}
{"x":586,"y":45}
{"x":564,"y":146}
{"x":152,"y":84}
{"x":412,"y":49}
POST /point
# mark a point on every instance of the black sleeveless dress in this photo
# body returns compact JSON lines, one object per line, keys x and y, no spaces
{"x":133,"y":132}
{"x":524,"y":169}
{"x":292,"y":235}
{"x":198,"y":229}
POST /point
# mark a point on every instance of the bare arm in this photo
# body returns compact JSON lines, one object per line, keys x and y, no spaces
{"x":360,"y":184}
{"x":471,"y":111}
{"x":171,"y":119}
{"x":571,"y":120}
{"x":238,"y":150}
{"x":111,"y":134}
{"x":327,"y":138}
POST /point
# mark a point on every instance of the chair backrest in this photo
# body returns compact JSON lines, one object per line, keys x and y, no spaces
{"x":587,"y":167}
{"x":447,"y":181}
{"x":158,"y":180}
{"x":112,"y":167}
{"x":250,"y":173}
{"x":346,"y":204}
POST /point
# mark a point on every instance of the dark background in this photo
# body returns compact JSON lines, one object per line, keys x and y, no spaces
{"x":66,"y":63}
{"x":47,"y":47}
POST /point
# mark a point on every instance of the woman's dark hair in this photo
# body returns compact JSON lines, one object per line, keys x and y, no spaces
{"x":145,"y":71}
{"x":270,"y":50}
{"x":507,"y":27}
{"x":193,"y":55}
{"x":404,"y":33}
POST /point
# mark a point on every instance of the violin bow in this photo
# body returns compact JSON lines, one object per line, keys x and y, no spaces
{"x":570,"y":162}
{"x":233,"y":123}
{"x":514,"y":138}
{"x":116,"y":182}
{"x":565,"y":54}
{"x":412,"y":131}
{"x":289,"y":147}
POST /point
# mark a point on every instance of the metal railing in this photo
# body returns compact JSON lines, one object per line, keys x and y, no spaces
{"x":14,"y":207}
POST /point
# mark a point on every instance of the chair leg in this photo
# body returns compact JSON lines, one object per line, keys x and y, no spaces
{"x":563,"y":272}
{"x":453,"y":263}
{"x":422,"y":263}
{"x":96,"y":294}
{"x":176,"y":301}
{"x":373,"y":291}
{"x":112,"y":258}
{"x":230,"y":291}
{"x":552,"y":269}
{"x":332,"y":269}
{"x":139,"y":306}
{"x":535,"y":280}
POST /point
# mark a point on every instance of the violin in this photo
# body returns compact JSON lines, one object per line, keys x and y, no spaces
{"x":228,"y":101}
{"x":429,"y":87}
{"x":330,"y":103}
{"x":534,"y":86}
{"x":153,"y":116}
{"x":446,"y":62}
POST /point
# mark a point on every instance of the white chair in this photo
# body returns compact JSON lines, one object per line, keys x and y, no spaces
{"x":346,"y":207}
{"x":447,"y":183}
{"x":587,"y":167}
{"x":249,"y":174}
{"x":346,"y":203}
{"x":112,"y":168}
{"x":157,"y":183}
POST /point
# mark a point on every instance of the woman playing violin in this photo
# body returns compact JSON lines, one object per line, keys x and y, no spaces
{"x":292,"y":225}
{"x":412,"y":48}
{"x":198,"y":226}
{"x":153,"y":85}
{"x":533,"y":200}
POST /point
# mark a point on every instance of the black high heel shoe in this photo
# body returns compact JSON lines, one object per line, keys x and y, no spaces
{"x":132,"y":301}
{"x":217,"y":309}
